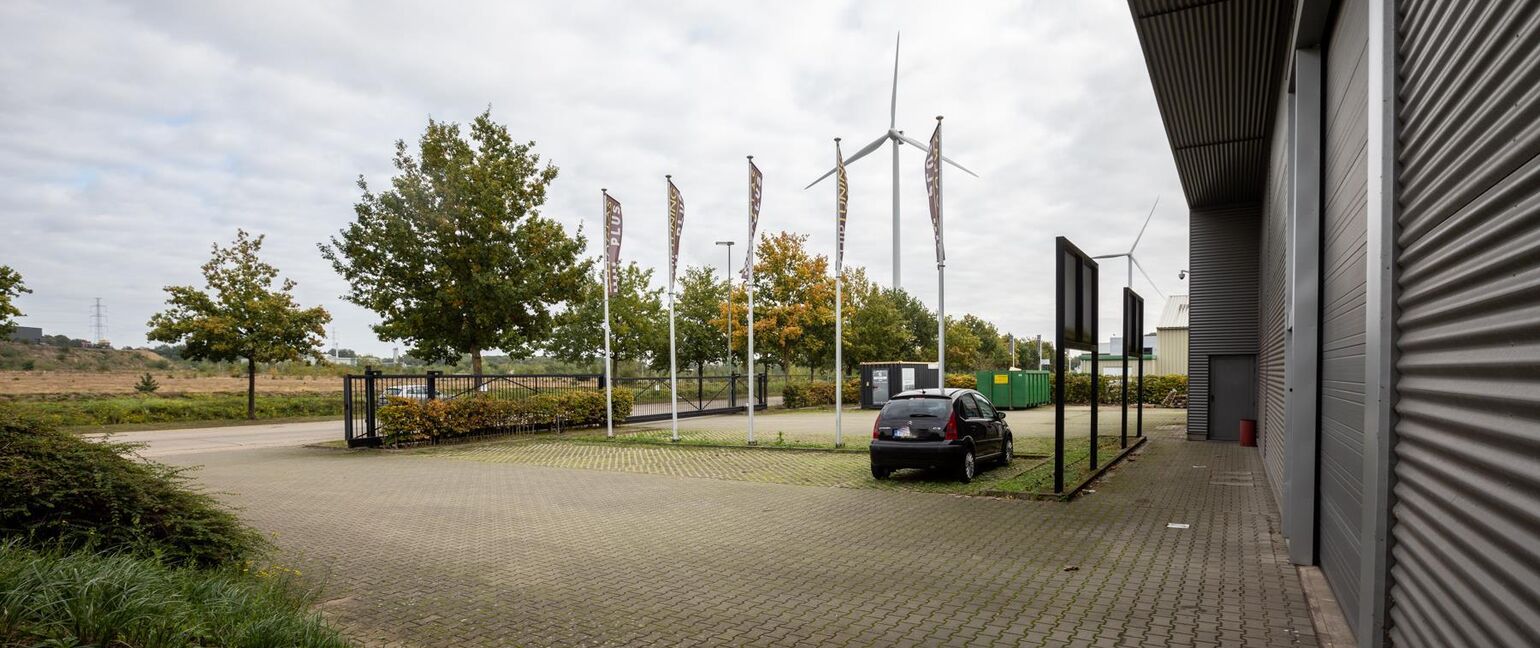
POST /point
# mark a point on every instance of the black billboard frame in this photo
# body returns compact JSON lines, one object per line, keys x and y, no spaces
{"x":1082,"y":335}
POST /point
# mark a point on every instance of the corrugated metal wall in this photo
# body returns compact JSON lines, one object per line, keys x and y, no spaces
{"x":1222,"y":318}
{"x":1170,"y":353}
{"x":1274,"y":277}
{"x":1465,"y":534}
{"x":1343,"y":303}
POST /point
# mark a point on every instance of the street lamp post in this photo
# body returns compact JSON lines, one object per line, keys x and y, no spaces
{"x":731,"y":366}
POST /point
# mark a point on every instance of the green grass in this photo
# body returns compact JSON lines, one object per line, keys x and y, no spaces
{"x":80,"y":599}
{"x":80,"y":412}
{"x":1077,"y":463}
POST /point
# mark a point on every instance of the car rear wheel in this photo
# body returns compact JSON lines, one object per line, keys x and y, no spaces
{"x":881,"y":472}
{"x":1007,"y":453}
{"x":967,"y":468}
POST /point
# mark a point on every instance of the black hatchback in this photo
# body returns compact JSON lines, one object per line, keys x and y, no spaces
{"x":947,"y":429}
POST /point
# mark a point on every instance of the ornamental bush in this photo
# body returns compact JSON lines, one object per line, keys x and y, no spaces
{"x":405,"y":420}
{"x":1078,"y":388}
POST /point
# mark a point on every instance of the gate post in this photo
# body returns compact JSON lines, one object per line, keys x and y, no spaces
{"x":732,"y":389}
{"x":347,"y":409}
{"x":700,"y":390}
{"x":369,"y":402}
{"x":433,"y":384}
{"x":764,"y":386}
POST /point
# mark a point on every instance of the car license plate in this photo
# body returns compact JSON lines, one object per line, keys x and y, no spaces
{"x":902,"y":433}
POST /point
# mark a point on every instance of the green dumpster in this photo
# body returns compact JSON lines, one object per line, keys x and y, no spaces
{"x":1015,"y":388}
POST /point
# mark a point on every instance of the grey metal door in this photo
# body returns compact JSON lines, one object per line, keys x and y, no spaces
{"x":879,"y":386}
{"x":1344,"y":274}
{"x":1232,"y":394}
{"x":1465,"y":512}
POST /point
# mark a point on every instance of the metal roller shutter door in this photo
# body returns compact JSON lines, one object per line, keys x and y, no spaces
{"x":1465,"y":519}
{"x":1343,"y":278}
{"x":1274,"y":302}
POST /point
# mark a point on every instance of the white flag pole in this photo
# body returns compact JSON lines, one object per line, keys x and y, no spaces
{"x":839,"y":334}
{"x":750,"y":285}
{"x":673,"y":367}
{"x":609,"y":381}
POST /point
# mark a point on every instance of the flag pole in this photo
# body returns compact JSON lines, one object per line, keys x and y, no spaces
{"x":609,"y":399}
{"x":940,"y":259}
{"x":839,"y":334}
{"x":673,"y":367}
{"x":749,"y":283}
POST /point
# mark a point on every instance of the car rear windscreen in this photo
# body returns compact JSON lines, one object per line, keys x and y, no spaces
{"x":917,"y":408}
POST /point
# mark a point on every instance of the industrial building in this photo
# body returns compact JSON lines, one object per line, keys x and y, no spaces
{"x":1363,"y":184}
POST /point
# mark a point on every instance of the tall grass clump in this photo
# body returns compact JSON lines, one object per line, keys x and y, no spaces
{"x":53,"y":598}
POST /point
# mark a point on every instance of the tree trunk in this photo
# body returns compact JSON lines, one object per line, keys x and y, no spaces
{"x":476,"y":365}
{"x":251,"y":388}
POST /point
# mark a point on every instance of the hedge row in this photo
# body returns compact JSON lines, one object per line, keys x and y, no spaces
{"x":409,"y":421}
{"x":162,"y":409}
{"x":821,"y":392}
{"x":818,"y":393}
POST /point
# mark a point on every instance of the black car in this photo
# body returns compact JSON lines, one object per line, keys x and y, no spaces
{"x":949,"y":429}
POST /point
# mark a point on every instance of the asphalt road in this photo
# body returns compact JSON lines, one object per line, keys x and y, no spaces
{"x":164,"y":443}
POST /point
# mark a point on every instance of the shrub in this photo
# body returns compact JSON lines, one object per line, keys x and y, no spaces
{"x":81,"y":599}
{"x":58,"y":489}
{"x":116,"y":410}
{"x":147,"y":384}
{"x":408,"y":420}
{"x":962,"y":381}
{"x":1078,"y":388}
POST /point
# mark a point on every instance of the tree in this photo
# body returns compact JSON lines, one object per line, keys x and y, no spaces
{"x":877,"y":330}
{"x":240,"y":315}
{"x":1026,"y":352}
{"x":701,"y":298}
{"x":10,"y":288}
{"x":793,"y":304}
{"x":920,"y":322}
{"x":962,"y":346}
{"x":455,"y":257}
{"x":638,"y":321}
{"x":994,"y":350}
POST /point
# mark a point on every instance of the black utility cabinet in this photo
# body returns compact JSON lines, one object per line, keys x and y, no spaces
{"x":881,"y":380}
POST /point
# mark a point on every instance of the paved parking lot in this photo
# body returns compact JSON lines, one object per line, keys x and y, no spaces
{"x":421,"y":550}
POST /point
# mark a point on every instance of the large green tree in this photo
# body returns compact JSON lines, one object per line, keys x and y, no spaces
{"x":876,"y":331}
{"x":919,"y":321}
{"x":240,"y":314}
{"x":638,"y":320}
{"x":698,"y":341}
{"x":10,"y":288}
{"x":994,"y":350}
{"x":455,"y":256}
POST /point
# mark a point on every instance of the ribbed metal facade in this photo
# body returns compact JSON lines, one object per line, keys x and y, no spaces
{"x":1344,"y":274}
{"x":1465,"y":526}
{"x":1215,"y":67}
{"x":1274,"y":279}
{"x":1223,"y":287}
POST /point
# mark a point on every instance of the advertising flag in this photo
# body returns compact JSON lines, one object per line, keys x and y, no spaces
{"x":933,"y":188}
{"x":756,"y":185}
{"x":612,"y":226}
{"x":842,"y":193}
{"x":675,"y":227}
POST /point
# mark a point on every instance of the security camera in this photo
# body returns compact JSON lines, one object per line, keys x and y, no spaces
{"x":1181,"y":275}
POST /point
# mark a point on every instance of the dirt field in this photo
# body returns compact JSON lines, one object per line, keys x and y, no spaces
{"x":18,"y":383}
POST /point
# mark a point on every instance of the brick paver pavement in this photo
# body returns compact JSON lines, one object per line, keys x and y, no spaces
{"x":426,"y":551}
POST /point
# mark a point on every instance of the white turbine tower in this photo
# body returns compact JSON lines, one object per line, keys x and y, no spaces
{"x":896,"y":137}
{"x":1133,"y":262}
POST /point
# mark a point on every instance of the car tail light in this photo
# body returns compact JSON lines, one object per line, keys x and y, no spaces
{"x":874,"y":427}
{"x":951,"y":427}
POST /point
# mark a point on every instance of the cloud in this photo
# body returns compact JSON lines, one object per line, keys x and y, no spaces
{"x":133,"y":137}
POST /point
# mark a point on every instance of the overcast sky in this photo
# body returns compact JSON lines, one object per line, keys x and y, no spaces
{"x":132,"y":136}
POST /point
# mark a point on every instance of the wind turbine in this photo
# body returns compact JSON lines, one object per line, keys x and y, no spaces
{"x":1133,"y":262}
{"x":896,"y":137}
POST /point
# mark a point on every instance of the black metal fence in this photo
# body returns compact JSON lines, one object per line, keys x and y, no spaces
{"x":364,"y":395}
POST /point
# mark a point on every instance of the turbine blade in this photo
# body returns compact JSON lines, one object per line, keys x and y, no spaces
{"x":1146,"y":276}
{"x":865,"y":150}
{"x":925,"y":147}
{"x":893,"y":107}
{"x":1146,"y":226}
{"x":1110,"y":256}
